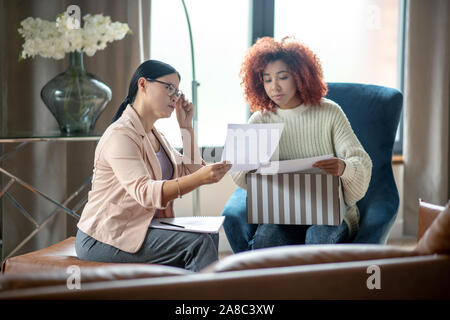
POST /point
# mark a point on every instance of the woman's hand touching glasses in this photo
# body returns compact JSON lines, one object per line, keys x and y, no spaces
{"x":185,"y":112}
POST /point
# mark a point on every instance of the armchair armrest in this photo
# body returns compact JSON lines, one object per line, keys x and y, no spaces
{"x":427,"y":213}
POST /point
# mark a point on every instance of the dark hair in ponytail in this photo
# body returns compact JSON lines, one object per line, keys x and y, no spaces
{"x":152,"y":69}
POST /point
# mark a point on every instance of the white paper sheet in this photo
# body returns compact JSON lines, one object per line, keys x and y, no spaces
{"x":249,"y":145}
{"x":295,"y":165}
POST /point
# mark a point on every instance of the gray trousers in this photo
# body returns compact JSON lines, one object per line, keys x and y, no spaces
{"x":188,"y":250}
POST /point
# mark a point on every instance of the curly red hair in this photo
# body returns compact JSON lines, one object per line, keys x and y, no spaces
{"x":302,"y":62}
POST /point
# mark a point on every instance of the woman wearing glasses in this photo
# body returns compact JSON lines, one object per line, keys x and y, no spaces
{"x":137,"y":175}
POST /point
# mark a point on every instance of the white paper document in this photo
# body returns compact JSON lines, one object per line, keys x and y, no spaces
{"x":189,"y":224}
{"x":295,"y":165}
{"x":249,"y":145}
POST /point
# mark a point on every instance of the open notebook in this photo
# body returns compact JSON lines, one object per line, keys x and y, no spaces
{"x":189,"y":224}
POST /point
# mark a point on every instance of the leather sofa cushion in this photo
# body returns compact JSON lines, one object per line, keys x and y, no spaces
{"x":61,"y":255}
{"x":57,"y":256}
{"x":306,"y":255}
{"x":437,"y":237}
{"x":88,"y":274}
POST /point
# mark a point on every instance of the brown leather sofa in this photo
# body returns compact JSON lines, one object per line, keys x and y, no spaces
{"x":344,"y":271}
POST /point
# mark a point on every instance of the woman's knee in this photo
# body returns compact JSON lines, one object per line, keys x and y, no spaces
{"x":323,"y":234}
{"x":231,"y":222}
{"x":235,"y":216}
{"x":205,"y":253}
{"x":215,"y":238}
{"x":211,"y":241}
{"x":265,"y":236}
{"x":236,"y":207}
{"x":234,"y":220}
{"x":273,"y":235}
{"x":208,"y":248}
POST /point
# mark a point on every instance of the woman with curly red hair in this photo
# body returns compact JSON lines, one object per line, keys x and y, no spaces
{"x":283,"y":82}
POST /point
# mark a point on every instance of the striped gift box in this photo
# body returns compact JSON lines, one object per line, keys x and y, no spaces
{"x":294,"y":198}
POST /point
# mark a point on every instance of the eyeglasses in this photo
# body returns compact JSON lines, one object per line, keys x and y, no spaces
{"x":170,"y":88}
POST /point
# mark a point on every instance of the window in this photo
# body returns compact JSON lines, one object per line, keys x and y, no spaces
{"x":355,"y":40}
{"x":220,"y":35}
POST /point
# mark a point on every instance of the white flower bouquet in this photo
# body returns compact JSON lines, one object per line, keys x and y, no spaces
{"x":55,"y":39}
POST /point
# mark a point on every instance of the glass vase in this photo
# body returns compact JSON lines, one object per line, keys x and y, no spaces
{"x":76,"y":98}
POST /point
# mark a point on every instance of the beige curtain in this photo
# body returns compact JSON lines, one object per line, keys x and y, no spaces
{"x":426,"y":107}
{"x":55,"y":168}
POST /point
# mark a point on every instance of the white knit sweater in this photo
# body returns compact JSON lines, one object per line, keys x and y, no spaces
{"x":321,"y":130}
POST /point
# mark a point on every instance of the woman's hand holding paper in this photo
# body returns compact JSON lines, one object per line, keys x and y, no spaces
{"x":334,"y":166}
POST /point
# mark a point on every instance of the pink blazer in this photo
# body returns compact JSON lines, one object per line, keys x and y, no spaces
{"x":126,"y":182}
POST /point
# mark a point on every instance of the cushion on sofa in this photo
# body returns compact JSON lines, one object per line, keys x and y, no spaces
{"x":58,"y":256}
{"x":304,"y":255}
{"x":87,"y":274}
{"x":437,"y":237}
{"x":62,"y":255}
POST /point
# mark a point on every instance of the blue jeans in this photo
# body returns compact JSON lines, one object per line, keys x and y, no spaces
{"x":243,"y":236}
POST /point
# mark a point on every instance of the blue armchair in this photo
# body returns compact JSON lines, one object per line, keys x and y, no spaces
{"x":374,"y":113}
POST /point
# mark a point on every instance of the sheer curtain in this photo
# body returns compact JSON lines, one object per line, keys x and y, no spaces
{"x":426,"y":122}
{"x":56,"y":168}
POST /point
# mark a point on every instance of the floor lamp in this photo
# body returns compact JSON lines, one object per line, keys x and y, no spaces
{"x":194,"y":84}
